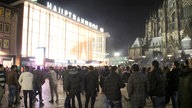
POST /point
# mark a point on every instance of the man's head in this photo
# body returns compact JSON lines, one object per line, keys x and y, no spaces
{"x":113,"y":68}
{"x":69,"y":67}
{"x":38,"y":68}
{"x":50,"y":67}
{"x":175,"y":64}
{"x":26,"y":68}
{"x":127,"y":68}
{"x":91,"y":68}
{"x":155,"y":64}
{"x":14,"y":67}
{"x":135,"y":67}
{"x":187,"y":62}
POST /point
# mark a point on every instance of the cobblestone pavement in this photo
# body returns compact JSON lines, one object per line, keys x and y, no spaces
{"x":60,"y":104}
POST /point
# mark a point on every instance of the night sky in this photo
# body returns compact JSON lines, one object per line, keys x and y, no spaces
{"x":123,"y":19}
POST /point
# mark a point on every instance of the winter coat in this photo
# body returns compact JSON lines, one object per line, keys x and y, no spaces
{"x":38,"y":78}
{"x":74,"y":82}
{"x":185,"y":89}
{"x":103,"y":75}
{"x":91,"y":82}
{"x":65,"y":75}
{"x":138,"y":88}
{"x":112,"y":85}
{"x":12,"y":78}
{"x":158,"y":83}
{"x":26,"y":81}
{"x":173,"y":80}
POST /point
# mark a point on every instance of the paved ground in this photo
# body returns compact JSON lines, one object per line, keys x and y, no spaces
{"x":46,"y":98}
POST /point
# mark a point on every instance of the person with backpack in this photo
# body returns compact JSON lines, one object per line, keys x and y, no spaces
{"x":158,"y":85}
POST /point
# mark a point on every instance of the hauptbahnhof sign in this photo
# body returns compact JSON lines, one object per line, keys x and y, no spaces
{"x":73,"y":16}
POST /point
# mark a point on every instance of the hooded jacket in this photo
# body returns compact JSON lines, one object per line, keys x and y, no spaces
{"x":26,"y":81}
{"x":74,"y":81}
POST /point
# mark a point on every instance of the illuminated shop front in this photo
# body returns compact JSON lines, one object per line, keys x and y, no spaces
{"x":62,"y":38}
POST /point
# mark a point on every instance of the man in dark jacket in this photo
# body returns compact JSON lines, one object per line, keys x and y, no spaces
{"x":104,"y":73}
{"x":74,"y":83}
{"x":91,"y":86}
{"x":158,"y":85}
{"x":173,"y":82}
{"x":39,"y":80}
{"x":13,"y":84}
{"x":126,"y":74}
{"x":185,"y":86}
{"x":112,"y":85}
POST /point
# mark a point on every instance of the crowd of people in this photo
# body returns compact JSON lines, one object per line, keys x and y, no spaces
{"x":161,"y":85}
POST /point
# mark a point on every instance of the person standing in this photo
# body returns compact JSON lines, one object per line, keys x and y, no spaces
{"x":53,"y":84}
{"x":158,"y":83}
{"x":13,"y":84}
{"x":26,"y":82}
{"x":137,"y":87}
{"x":2,"y":82}
{"x":185,"y":86}
{"x":39,"y":80}
{"x":67,"y":102}
{"x":74,"y":86}
{"x":173,"y":83}
{"x":91,"y":85}
{"x":112,"y":85}
{"x":126,"y":74}
{"x":120,"y":70}
{"x":103,"y":75}
{"x":18,"y":89}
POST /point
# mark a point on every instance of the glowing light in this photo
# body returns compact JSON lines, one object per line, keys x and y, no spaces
{"x":40,"y":55}
{"x":117,"y":54}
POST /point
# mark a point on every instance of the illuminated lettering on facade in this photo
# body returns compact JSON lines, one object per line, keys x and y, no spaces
{"x":73,"y":16}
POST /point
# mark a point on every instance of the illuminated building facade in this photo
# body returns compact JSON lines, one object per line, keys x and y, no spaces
{"x":166,"y":29}
{"x":45,"y":33}
{"x":8,"y":34}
